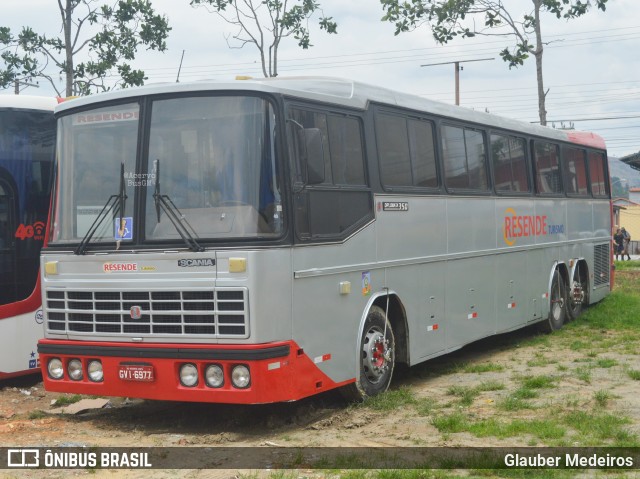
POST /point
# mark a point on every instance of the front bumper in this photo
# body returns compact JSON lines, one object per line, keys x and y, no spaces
{"x":279,"y":371}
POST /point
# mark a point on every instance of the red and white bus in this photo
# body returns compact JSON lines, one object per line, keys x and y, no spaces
{"x":27,"y":145}
{"x":261,"y":241}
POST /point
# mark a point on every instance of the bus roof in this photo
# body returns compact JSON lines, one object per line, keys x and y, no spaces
{"x":344,"y":93}
{"x":28,"y":102}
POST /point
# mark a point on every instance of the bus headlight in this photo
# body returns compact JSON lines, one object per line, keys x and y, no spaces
{"x":94,"y":371}
{"x":189,"y":375}
{"x":55,"y":369}
{"x":240,"y":376}
{"x":214,"y":376}
{"x":74,"y":368}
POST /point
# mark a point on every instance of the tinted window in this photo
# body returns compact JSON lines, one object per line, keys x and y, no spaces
{"x":547,"y":168}
{"x":509,"y":164}
{"x":575,"y":171}
{"x":393,"y":150}
{"x":336,"y":207}
{"x":464,"y":158}
{"x":342,"y":139}
{"x":597,"y":174}
{"x":347,"y":160}
{"x":406,"y":151}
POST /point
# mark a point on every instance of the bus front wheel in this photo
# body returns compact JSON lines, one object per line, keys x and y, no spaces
{"x":376,"y":357}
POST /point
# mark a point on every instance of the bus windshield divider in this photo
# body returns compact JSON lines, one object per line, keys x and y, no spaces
{"x":178,"y":220}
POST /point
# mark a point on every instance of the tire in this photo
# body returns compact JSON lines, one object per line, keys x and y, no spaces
{"x":559,"y":303}
{"x":376,"y":357}
{"x":577,"y":295}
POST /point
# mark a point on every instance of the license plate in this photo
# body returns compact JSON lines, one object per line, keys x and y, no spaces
{"x":130,"y":372}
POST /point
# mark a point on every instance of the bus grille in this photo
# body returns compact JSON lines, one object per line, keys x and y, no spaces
{"x":219,"y":313}
{"x":601,"y":257}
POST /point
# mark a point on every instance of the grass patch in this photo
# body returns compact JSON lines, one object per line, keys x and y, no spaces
{"x":66,"y":400}
{"x":594,"y":429}
{"x":579,"y":345}
{"x":541,"y":340}
{"x":451,"y":423}
{"x":583,"y":373}
{"x":540,"y":361}
{"x":426,"y":406}
{"x":627,"y":265}
{"x":490,"y":386}
{"x":464,"y":393}
{"x":37,"y":414}
{"x":513,"y":403}
{"x":606,"y":363}
{"x":618,"y":311}
{"x":482,"y":368}
{"x":538,"y":382}
{"x":543,"y":429}
{"x":601,"y":398}
{"x":634,"y":374}
{"x":525,"y":393}
{"x":391,"y":400}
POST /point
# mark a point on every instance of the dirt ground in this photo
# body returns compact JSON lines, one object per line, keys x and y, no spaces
{"x":327,"y":420}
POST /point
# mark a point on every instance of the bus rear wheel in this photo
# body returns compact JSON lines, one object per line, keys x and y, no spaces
{"x":578,"y":293}
{"x":376,"y":357}
{"x":559,"y":302}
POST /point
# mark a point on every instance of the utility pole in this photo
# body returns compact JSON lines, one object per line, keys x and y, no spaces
{"x":457,"y":68}
{"x":16,"y":86}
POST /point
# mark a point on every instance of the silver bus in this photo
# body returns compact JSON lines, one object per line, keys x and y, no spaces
{"x":265,"y":240}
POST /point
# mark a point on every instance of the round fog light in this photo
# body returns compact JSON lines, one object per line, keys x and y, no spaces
{"x":214,"y":376}
{"x":55,"y":369}
{"x":95,"y":372}
{"x":240,"y":376}
{"x":189,"y":375}
{"x":74,"y":368}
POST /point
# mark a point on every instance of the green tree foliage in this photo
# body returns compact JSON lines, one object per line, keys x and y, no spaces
{"x":107,"y":38}
{"x":449,"y":19}
{"x":265,"y":23}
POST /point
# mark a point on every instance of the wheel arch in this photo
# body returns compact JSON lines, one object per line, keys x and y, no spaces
{"x":397,"y":318}
{"x":580,"y":272}
{"x":562,"y":269}
{"x":584,"y":271}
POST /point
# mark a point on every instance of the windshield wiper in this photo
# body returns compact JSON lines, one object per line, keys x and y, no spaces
{"x":178,"y":220}
{"x":114,"y":201}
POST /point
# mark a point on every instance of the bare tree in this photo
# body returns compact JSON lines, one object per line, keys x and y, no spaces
{"x":265,"y":23}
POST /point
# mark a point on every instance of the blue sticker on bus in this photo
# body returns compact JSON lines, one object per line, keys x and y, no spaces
{"x":124,"y":231}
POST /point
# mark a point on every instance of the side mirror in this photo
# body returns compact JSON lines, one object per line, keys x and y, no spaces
{"x":315,"y":156}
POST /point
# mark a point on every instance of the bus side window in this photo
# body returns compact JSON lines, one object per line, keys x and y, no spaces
{"x":575,"y":171}
{"x":509,"y":164}
{"x":336,"y":206}
{"x":406,"y":151}
{"x":597,"y":174}
{"x":547,"y":168}
{"x":464,"y":158}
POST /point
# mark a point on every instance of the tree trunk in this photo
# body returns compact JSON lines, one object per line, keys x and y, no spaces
{"x":542,"y":111}
{"x":68,"y":67}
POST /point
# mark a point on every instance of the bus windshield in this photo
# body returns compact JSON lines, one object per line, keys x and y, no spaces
{"x":208,"y":161}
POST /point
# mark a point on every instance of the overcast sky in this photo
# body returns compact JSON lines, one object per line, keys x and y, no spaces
{"x":591,"y":68}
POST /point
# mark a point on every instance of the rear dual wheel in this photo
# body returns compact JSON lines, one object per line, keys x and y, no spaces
{"x":559,"y":303}
{"x":577,"y":294}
